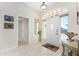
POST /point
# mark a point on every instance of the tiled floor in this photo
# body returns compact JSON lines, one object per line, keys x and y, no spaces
{"x":31,"y":50}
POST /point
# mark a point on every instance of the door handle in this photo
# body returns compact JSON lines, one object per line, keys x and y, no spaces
{"x":56,"y":31}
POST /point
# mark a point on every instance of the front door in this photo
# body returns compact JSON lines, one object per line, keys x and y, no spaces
{"x":53,"y":30}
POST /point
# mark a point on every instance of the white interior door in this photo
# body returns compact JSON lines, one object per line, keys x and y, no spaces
{"x":22,"y":31}
{"x":53,"y":30}
{"x":25,"y":30}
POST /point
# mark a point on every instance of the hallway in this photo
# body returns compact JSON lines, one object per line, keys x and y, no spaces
{"x":25,"y":27}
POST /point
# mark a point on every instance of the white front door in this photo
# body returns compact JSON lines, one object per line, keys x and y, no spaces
{"x":53,"y":30}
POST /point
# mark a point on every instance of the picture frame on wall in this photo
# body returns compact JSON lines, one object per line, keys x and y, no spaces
{"x":78,"y":18}
{"x":8,"y":25}
{"x":8,"y":18}
{"x":8,"y":22}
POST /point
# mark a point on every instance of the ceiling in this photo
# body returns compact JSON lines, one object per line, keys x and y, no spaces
{"x":36,"y":5}
{"x":50,"y":5}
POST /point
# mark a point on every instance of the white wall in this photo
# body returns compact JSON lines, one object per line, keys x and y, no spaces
{"x":9,"y":37}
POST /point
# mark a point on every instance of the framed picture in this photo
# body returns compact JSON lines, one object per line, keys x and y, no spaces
{"x":8,"y":18}
{"x":8,"y":25}
{"x":78,"y":18}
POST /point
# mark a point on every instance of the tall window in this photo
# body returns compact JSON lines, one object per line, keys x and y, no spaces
{"x":64,"y":23}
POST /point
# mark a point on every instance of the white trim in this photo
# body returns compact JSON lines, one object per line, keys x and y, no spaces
{"x":8,"y":49}
{"x":55,"y":12}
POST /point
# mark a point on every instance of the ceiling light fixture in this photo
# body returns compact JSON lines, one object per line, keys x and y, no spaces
{"x":43,"y":6}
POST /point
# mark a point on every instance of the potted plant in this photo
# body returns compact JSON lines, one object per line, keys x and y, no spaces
{"x":39,"y":33}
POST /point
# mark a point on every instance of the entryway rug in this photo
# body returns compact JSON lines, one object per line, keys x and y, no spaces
{"x":51,"y":47}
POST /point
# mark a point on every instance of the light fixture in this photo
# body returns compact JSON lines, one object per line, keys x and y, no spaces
{"x":43,"y":6}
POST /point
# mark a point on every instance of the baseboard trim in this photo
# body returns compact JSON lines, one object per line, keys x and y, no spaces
{"x":7,"y":49}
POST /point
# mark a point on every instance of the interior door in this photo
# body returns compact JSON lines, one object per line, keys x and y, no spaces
{"x":53,"y":30}
{"x":22,"y":31}
{"x":25,"y":30}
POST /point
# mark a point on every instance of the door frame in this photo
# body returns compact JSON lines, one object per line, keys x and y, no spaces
{"x":20,"y":18}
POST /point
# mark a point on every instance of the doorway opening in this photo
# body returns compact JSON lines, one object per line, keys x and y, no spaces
{"x":23,"y":28}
